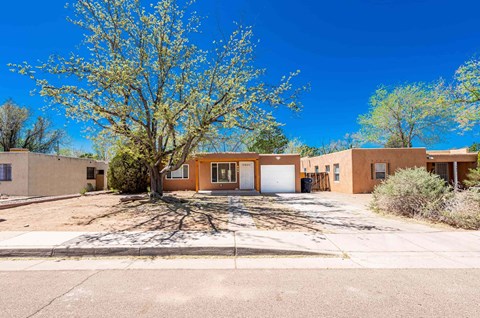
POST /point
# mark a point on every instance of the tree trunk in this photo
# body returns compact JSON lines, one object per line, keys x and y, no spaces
{"x":156,"y":183}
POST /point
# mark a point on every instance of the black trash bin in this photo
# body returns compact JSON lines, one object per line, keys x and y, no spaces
{"x":306,"y":185}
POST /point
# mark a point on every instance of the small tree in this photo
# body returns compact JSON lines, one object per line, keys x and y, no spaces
{"x":406,"y":113}
{"x":15,"y":134}
{"x":146,"y":80}
{"x":127,"y":174}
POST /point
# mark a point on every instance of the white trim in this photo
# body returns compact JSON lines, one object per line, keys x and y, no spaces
{"x":335,"y":172}
{"x":220,"y":162}
{"x":183,"y":176}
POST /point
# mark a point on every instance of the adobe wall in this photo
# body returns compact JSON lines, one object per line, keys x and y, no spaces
{"x":19,"y":183}
{"x":343,"y":158}
{"x":182,"y":184}
{"x":58,"y":175}
{"x":395,"y":159}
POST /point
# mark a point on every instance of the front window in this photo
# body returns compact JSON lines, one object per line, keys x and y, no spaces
{"x":90,"y":173}
{"x":336,"y":172}
{"x":327,"y":168}
{"x":181,"y":173}
{"x":380,"y":171}
{"x":5,"y":172}
{"x":224,"y":172}
{"x":316,"y":169}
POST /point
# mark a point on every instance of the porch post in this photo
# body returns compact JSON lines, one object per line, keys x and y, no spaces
{"x":197,"y":176}
{"x":455,"y":175}
{"x":257,"y":175}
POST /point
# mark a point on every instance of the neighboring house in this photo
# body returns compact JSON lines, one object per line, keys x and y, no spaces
{"x":25,"y":173}
{"x":360,"y":170}
{"x":237,"y":171}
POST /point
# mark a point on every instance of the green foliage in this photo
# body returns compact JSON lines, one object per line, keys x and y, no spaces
{"x":269,"y":140}
{"x":144,"y":79}
{"x":406,"y":113}
{"x":127,"y":174}
{"x":475,"y":147}
{"x":417,"y":193}
{"x":467,"y":94}
{"x":411,"y":192}
{"x":473,"y":178}
{"x":14,"y":132}
{"x":88,"y":155}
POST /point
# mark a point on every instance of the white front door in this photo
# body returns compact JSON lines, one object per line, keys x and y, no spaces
{"x":247,"y":175}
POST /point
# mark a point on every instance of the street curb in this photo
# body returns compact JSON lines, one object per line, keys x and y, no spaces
{"x":102,"y":251}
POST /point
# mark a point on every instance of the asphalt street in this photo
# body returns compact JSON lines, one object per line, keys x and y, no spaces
{"x":241,"y":293}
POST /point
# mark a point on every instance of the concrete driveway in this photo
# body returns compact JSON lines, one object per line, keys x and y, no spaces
{"x":344,"y":213}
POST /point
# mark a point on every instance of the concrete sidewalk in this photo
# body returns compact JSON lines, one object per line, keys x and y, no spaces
{"x":372,"y":250}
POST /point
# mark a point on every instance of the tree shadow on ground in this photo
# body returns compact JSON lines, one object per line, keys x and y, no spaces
{"x":202,"y":213}
{"x":280,"y":213}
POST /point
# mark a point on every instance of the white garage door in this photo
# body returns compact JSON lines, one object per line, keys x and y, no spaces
{"x":277,"y":178}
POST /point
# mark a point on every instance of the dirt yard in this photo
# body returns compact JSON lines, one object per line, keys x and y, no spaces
{"x":107,"y":213}
{"x":270,"y":214}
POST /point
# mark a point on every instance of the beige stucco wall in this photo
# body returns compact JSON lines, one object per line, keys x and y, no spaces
{"x":343,"y":158}
{"x":58,"y":175}
{"x":19,"y":183}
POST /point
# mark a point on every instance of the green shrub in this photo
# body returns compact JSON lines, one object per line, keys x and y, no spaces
{"x":411,"y":192}
{"x":463,"y":210}
{"x":473,"y":178}
{"x":127,"y":174}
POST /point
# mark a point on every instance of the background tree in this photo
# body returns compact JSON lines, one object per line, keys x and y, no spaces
{"x":145,"y":79}
{"x":412,"y":112}
{"x":467,"y":95}
{"x":15,"y":134}
{"x":268,"y":140}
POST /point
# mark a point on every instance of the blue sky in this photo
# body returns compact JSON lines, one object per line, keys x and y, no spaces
{"x":345,"y":50}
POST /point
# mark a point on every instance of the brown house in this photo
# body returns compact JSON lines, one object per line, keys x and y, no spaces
{"x":360,"y":170}
{"x":237,"y":171}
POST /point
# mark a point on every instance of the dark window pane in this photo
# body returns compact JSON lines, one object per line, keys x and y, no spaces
{"x":185,"y":171}
{"x":214,"y":172}
{"x":90,"y":173}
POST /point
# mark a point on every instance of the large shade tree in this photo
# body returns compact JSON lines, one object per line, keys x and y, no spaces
{"x":467,"y":94}
{"x":407,"y":113}
{"x":140,"y":75}
{"x":15,"y":131}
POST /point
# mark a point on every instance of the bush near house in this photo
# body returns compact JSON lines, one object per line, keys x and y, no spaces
{"x":127,"y":174}
{"x":416,"y":193}
{"x":473,"y":178}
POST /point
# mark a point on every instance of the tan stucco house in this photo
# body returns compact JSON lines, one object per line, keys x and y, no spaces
{"x":237,"y":171}
{"x":360,"y":170}
{"x":25,"y":173}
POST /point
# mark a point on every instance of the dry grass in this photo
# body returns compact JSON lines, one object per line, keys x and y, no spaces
{"x":269,"y":214}
{"x":107,"y":213}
